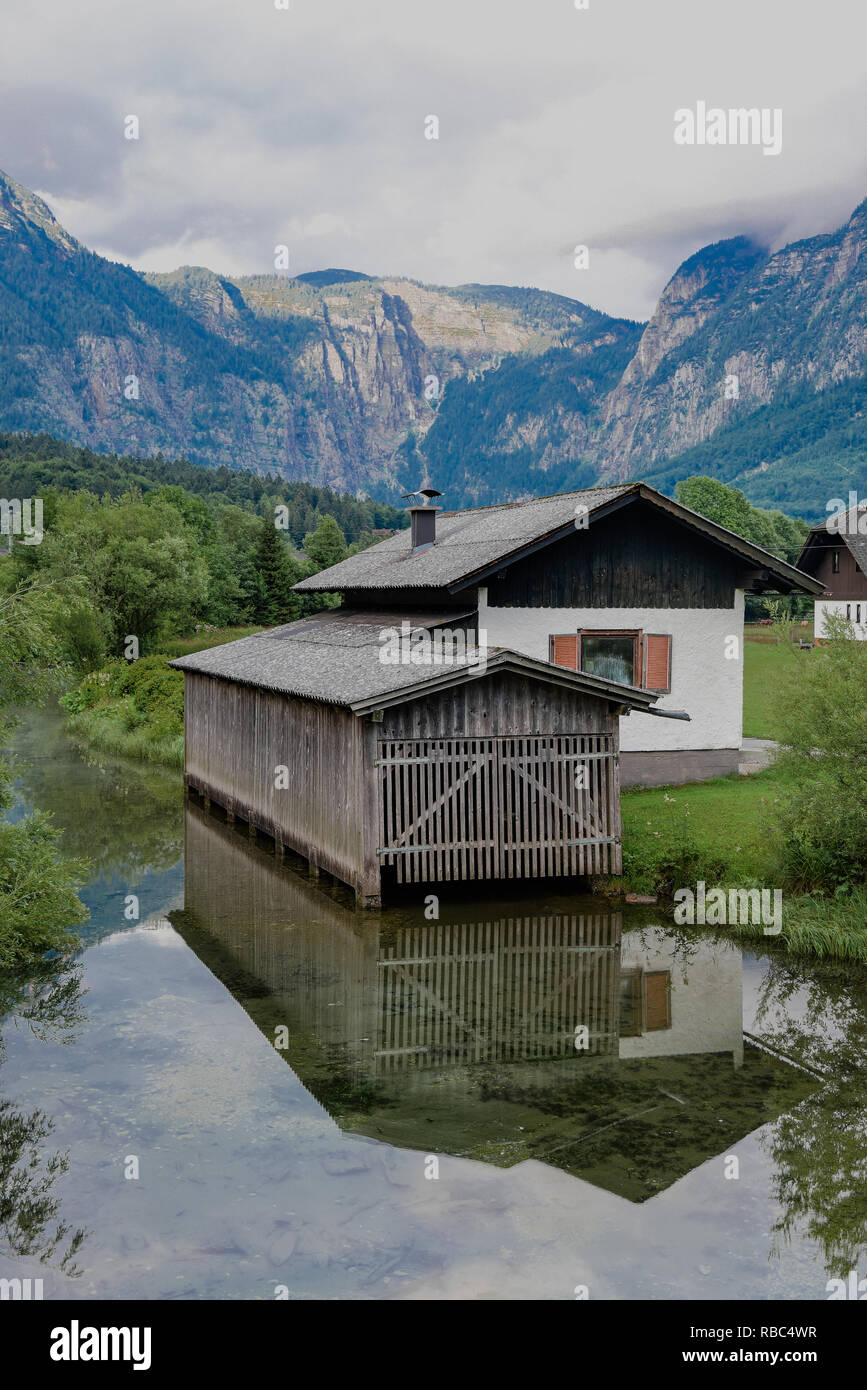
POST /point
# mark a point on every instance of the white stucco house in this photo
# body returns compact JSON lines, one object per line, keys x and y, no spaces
{"x":618,"y":582}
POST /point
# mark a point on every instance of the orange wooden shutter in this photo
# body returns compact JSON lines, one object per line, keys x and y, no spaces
{"x":564,"y":650}
{"x":657,"y":661}
{"x":657,"y":1000}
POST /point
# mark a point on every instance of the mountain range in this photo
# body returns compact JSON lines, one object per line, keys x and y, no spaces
{"x":752,"y":369}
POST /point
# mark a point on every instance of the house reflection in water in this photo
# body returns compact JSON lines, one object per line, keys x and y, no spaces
{"x":500,"y":1032}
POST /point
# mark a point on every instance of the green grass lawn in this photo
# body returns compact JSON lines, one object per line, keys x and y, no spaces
{"x":770,"y":671}
{"x":727,"y":820}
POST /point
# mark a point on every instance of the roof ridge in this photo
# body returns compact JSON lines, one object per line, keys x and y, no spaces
{"x":544,"y":497}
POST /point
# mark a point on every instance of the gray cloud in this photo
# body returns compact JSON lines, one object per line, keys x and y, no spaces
{"x":306,"y":126}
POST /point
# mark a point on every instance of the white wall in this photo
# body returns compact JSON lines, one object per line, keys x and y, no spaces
{"x":705,"y":684}
{"x":706,"y":997}
{"x":824,"y":605}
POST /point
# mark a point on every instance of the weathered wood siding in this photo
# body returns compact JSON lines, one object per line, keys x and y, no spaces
{"x":634,"y":558}
{"x":496,"y":705}
{"x":849,"y":582}
{"x":236,"y":737}
{"x":484,"y":808}
{"x":518,"y":814}
{"x":479,"y":782}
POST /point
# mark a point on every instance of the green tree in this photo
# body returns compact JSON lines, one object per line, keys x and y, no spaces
{"x":140,"y":562}
{"x":276,"y":573}
{"x":326,"y":545}
{"x":774,"y":531}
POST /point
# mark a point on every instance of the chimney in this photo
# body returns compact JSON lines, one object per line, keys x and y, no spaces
{"x":424,"y":519}
{"x":424,"y":527}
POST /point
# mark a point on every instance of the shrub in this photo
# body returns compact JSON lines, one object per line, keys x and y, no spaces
{"x":823,"y":726}
{"x":661,"y":864}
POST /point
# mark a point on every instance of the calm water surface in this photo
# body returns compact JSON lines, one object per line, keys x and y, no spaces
{"x":513,"y":1100}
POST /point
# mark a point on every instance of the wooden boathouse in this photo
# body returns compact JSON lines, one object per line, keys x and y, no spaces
{"x":383,"y":771}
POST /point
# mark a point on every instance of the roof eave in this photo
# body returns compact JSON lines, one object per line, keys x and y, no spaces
{"x":795,"y":578}
{"x":788,"y":576}
{"x":625,"y":696}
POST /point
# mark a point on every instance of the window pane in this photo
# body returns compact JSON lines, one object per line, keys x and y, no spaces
{"x":612,"y":658}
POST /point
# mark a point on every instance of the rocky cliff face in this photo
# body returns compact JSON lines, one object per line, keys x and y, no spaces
{"x":358,"y":383}
{"x":321,"y":377}
{"x":735,"y":329}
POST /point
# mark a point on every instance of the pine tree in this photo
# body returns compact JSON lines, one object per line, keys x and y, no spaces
{"x":274,"y":601}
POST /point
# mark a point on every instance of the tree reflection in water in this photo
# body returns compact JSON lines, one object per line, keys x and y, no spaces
{"x":48,"y":1003}
{"x":123,"y":817}
{"x":817,"y":1015}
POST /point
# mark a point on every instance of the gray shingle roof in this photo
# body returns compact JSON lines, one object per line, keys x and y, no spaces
{"x":469,"y":541}
{"x":465,"y":542}
{"x":336,"y":657}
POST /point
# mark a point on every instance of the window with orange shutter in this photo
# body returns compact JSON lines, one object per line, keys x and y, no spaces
{"x":657,"y":1000}
{"x":564,"y":650}
{"x":657,"y":661}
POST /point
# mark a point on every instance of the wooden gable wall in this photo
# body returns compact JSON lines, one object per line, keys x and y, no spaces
{"x":849,"y":581}
{"x":634,"y":558}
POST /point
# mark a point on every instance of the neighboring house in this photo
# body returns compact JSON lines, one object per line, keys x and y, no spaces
{"x":835,"y":553}
{"x":615,"y":582}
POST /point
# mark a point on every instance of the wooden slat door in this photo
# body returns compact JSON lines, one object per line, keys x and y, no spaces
{"x":533,"y":807}
{"x":504,"y":990}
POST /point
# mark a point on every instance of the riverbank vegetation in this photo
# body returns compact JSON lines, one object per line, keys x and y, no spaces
{"x":138,"y":559}
{"x":160,"y":569}
{"x":39,"y":906}
{"x":133,"y":709}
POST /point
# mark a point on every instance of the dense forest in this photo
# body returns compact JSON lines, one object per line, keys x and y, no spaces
{"x":32,"y":465}
{"x":149,"y":549}
{"x":152,"y":549}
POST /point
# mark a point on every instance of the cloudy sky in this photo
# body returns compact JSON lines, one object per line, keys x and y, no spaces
{"x":305,"y":126}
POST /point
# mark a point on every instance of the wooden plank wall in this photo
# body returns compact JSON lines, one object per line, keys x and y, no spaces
{"x":498,"y":704}
{"x":538,"y":807}
{"x":501,"y":706}
{"x":849,"y":581}
{"x":235,"y":738}
{"x":632,"y":559}
{"x":331,"y":810}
